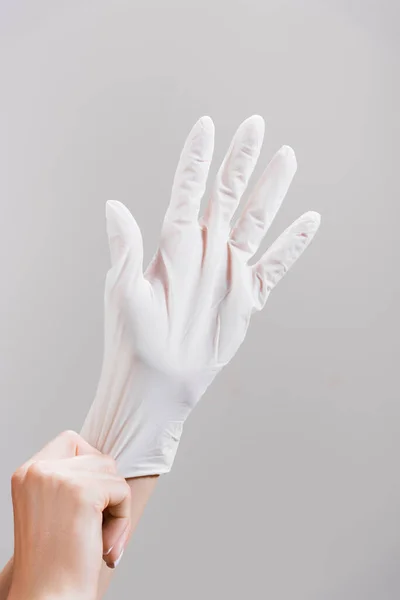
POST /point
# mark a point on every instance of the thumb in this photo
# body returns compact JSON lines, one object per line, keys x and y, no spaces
{"x":123,"y":234}
{"x":115,"y":536}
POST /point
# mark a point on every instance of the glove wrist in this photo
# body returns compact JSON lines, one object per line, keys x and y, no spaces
{"x":154,"y":404}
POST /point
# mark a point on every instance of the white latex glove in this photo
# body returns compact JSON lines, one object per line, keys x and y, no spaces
{"x":171,"y":329}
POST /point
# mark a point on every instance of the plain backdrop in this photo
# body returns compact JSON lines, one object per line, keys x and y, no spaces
{"x":286,"y":484}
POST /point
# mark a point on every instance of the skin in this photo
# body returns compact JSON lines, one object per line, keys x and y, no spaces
{"x":74,"y":512}
{"x":141,"y":490}
{"x":6,"y":579}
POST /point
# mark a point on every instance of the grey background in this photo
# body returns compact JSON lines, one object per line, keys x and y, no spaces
{"x":287,"y":481}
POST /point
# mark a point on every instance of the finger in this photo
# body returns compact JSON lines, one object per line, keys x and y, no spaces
{"x":283,"y":253}
{"x":264,"y":202}
{"x":235,"y":172}
{"x":191,"y":175}
{"x":108,"y":492}
{"x":117,"y":504}
{"x":124,"y":236}
{"x":118,"y":498}
{"x":65,"y":445}
{"x":99,"y":464}
{"x":115,"y":536}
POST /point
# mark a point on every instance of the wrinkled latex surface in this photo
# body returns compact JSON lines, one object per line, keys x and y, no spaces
{"x":171,"y":328}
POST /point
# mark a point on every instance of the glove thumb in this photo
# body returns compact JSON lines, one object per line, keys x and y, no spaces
{"x":124,"y":235}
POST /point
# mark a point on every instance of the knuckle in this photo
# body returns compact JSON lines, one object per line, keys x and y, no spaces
{"x":17,"y":478}
{"x":248,"y":148}
{"x":35,"y":471}
{"x":69,"y":435}
{"x":110,"y":463}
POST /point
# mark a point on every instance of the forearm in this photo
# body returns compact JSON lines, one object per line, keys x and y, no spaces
{"x":141,"y":488}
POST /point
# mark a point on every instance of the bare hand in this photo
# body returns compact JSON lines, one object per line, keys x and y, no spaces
{"x":71,"y":511}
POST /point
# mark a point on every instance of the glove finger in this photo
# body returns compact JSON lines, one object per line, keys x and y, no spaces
{"x":264,"y":202}
{"x":124,"y":235}
{"x":283,"y":253}
{"x":235,"y":172}
{"x":191,"y":174}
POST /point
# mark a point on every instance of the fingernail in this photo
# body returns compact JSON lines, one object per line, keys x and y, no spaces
{"x":115,"y":564}
{"x":108,"y":551}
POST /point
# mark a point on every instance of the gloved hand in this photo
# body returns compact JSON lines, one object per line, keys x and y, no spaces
{"x":171,"y":329}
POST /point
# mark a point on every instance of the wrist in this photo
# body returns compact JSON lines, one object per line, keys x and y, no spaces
{"x":28,"y":594}
{"x":137,"y":416}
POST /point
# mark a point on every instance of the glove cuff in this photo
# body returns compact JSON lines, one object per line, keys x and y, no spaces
{"x":137,"y":418}
{"x":152,"y":452}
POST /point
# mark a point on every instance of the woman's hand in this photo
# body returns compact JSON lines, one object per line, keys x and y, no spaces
{"x":71,"y":511}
